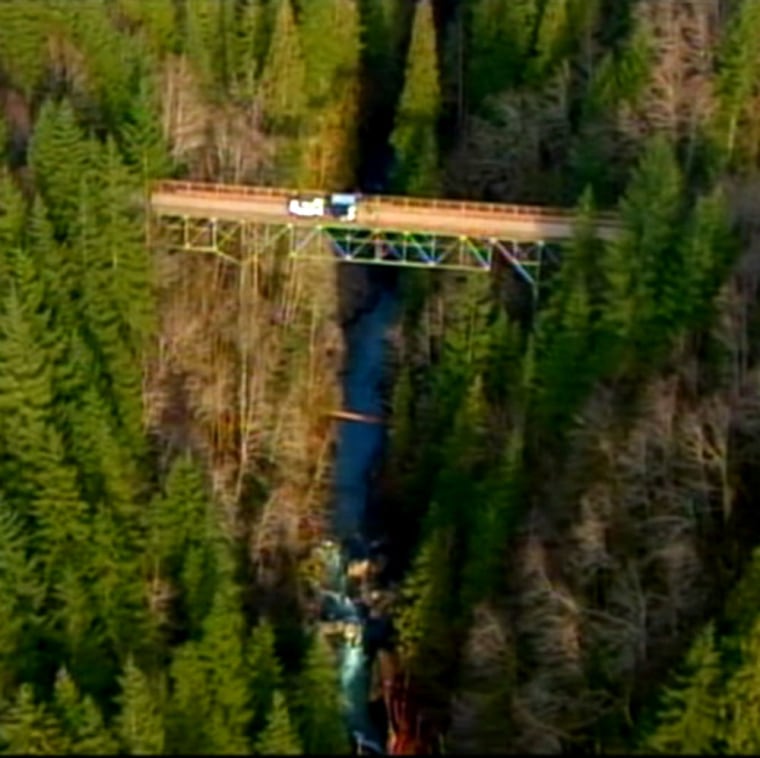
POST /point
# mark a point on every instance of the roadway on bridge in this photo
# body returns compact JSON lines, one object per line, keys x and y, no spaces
{"x":413,"y":215}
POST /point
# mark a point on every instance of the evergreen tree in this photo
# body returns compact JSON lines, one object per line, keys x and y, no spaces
{"x":23,"y":29}
{"x":426,"y":619}
{"x":551,"y":37}
{"x":11,"y":211}
{"x":250,"y":48}
{"x":81,"y":719}
{"x":742,"y":699}
{"x":332,"y":84}
{"x":500,"y":39}
{"x":284,"y":75}
{"x":39,"y":482}
{"x":414,"y":138}
{"x":209,"y":706}
{"x":279,"y":737}
{"x":561,"y":391}
{"x":140,"y":721}
{"x":317,"y":707}
{"x":708,"y":250}
{"x":737,"y":82}
{"x":60,"y":156}
{"x":21,"y":612}
{"x":265,"y":672}
{"x":182,"y":538}
{"x":142,"y":140}
{"x":158,"y":22}
{"x":690,"y":712}
{"x":644,"y":270}
{"x":28,"y":728}
{"x":382,"y":33}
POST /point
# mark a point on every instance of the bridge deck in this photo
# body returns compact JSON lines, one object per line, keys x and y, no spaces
{"x":403,"y":214}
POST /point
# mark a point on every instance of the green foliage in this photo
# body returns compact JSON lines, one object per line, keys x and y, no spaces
{"x":737,"y":83}
{"x":111,"y":59}
{"x":23,"y":28}
{"x":279,"y":737}
{"x":140,"y":721}
{"x":329,"y":59}
{"x":316,"y":703}
{"x":689,"y":723}
{"x":622,"y":73}
{"x":156,"y":20}
{"x":60,"y":158}
{"x":81,"y":719}
{"x":210,"y":42}
{"x":141,"y":135}
{"x":251,"y":38}
{"x":414,"y":136}
{"x":265,"y":672}
{"x":644,"y":269}
{"x":209,"y":707}
{"x":741,"y":710}
{"x":182,"y":538}
{"x":11,"y":212}
{"x":23,"y":594}
{"x":501,"y":35}
{"x":552,"y":38}
{"x":283,"y":78}
{"x":28,"y":728}
{"x":426,"y":621}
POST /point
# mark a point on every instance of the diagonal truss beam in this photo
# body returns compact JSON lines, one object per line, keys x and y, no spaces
{"x":238,"y":240}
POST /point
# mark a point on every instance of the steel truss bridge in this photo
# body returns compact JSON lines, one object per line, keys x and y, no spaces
{"x":240,"y":222}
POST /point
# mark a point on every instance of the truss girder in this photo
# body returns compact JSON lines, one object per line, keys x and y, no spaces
{"x":237,"y":240}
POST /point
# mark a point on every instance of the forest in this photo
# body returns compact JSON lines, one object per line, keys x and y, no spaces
{"x":567,"y":483}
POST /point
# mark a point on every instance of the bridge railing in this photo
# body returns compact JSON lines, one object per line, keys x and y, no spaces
{"x":378,"y":202}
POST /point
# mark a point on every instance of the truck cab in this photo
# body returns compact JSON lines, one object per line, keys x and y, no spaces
{"x":342,"y":206}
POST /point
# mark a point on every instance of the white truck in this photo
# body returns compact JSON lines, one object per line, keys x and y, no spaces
{"x":338,"y":205}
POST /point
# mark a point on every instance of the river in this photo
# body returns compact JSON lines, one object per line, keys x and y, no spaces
{"x":359,"y":449}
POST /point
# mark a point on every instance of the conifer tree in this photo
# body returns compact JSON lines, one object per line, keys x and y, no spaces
{"x":21,"y":616}
{"x":425,"y":621}
{"x":689,"y":721}
{"x":11,"y":211}
{"x":60,"y":158}
{"x":158,"y":19}
{"x":28,"y":728}
{"x":81,"y":719}
{"x":708,"y":250}
{"x":140,"y":721}
{"x":414,"y":138}
{"x":500,"y":39}
{"x":182,"y":537}
{"x":279,"y":737}
{"x":381,"y":51}
{"x":644,"y":269}
{"x":742,"y":698}
{"x":40,"y":484}
{"x":284,"y":75}
{"x":561,"y":391}
{"x":317,"y":707}
{"x":737,"y":80}
{"x":23,"y":30}
{"x":551,"y":37}
{"x":210,"y":701}
{"x":283,"y":94}
{"x":142,"y":140}
{"x":332,"y":84}
{"x":265,"y":672}
{"x":250,"y":48}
